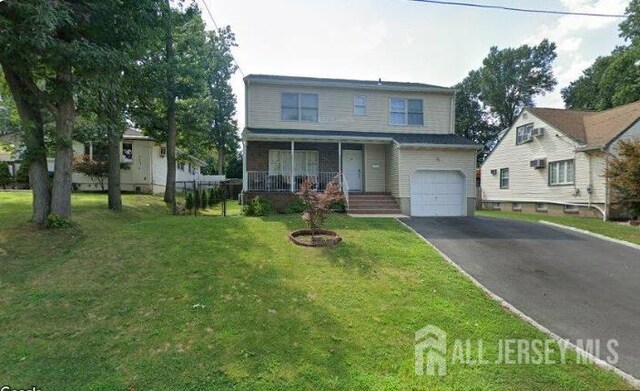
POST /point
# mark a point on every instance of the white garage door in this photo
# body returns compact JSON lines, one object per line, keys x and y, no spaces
{"x":437,"y":193}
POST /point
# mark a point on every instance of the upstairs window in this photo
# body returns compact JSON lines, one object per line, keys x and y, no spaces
{"x":561,"y":173}
{"x":504,"y":178}
{"x":360,"y":105}
{"x":406,"y":112}
{"x":299,"y":107}
{"x":523,"y":134}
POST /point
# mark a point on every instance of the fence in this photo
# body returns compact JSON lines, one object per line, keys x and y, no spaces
{"x":207,"y":197}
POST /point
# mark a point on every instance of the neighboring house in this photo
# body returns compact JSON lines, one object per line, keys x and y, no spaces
{"x":554,"y":161}
{"x":393,"y":143}
{"x":145,"y":161}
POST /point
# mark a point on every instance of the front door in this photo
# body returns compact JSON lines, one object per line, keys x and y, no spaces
{"x":352,"y":167}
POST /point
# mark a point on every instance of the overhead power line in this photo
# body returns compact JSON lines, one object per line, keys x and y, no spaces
{"x":204,"y":2}
{"x":517,"y":9}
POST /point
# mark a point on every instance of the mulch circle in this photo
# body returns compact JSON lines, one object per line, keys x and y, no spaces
{"x":324,"y":238}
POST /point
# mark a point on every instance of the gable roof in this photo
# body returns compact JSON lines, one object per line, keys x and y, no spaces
{"x":593,"y":129}
{"x":330,"y":82}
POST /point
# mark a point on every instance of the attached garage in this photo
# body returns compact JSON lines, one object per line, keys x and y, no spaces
{"x":438,"y":193}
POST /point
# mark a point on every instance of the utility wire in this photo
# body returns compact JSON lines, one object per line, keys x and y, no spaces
{"x":217,"y":28}
{"x":516,"y":9}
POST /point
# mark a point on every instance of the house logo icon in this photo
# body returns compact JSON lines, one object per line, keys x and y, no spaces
{"x":430,"y":351}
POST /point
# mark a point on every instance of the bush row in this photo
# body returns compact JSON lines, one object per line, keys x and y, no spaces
{"x":259,"y":206}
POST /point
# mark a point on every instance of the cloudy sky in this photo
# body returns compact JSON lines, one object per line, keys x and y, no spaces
{"x":401,"y":40}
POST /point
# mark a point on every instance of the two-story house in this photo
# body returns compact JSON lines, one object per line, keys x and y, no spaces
{"x":554,"y":161}
{"x":392,"y":145}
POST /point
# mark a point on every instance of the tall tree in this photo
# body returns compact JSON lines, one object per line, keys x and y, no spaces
{"x":490,"y":98}
{"x":510,"y":78}
{"x":223,"y":128}
{"x":473,"y":119}
{"x":611,"y":80}
{"x":171,"y":75}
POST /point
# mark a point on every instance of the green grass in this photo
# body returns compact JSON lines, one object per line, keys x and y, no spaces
{"x":141,"y":300}
{"x":607,"y":228}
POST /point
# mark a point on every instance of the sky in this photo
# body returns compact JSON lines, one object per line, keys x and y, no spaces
{"x":401,"y":40}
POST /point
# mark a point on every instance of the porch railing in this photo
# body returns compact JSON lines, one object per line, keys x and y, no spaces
{"x":263,"y":181}
{"x":345,"y":190}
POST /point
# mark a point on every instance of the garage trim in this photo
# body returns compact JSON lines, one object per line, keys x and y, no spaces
{"x":464,"y":210}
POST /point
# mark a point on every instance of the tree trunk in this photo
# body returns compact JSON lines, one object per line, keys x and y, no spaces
{"x":33,"y":135}
{"x":115,"y":197}
{"x":221,"y":159}
{"x":65,"y":117}
{"x":172,"y":131}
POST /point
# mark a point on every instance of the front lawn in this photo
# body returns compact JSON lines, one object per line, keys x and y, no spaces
{"x":606,"y":228}
{"x":141,"y":300}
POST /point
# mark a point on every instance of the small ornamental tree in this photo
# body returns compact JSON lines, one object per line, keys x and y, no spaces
{"x":204,"y":202}
{"x":318,"y":204}
{"x":5,"y":175}
{"x":189,"y":202}
{"x":96,"y":169}
{"x":196,"y":199}
{"x":623,"y":174}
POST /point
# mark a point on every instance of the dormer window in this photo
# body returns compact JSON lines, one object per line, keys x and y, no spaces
{"x":299,"y":107}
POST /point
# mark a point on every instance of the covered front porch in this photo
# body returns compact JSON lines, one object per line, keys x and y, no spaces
{"x":282,"y":166}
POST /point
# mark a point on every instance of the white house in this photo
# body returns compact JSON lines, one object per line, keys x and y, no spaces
{"x":144,"y":158}
{"x":554,"y":161}
{"x":391,"y":144}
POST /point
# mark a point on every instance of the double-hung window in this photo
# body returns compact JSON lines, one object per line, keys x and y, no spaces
{"x":561,"y":173}
{"x":406,"y":112}
{"x":523,"y":134}
{"x":504,"y":178}
{"x":360,"y":105}
{"x":306,"y":162}
{"x":299,"y":107}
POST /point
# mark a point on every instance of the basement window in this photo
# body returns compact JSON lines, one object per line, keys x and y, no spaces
{"x":541,"y":207}
{"x":571,"y":209}
{"x":516,"y":207}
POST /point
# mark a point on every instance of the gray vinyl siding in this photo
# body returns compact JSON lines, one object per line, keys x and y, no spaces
{"x":633,"y":133}
{"x":335,"y":109}
{"x":527,"y":184}
{"x":374,"y":167}
{"x":393,"y":152}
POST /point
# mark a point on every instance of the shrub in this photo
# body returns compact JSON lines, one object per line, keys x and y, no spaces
{"x":212,"y":197}
{"x":5,"y":174}
{"x":22,"y":176}
{"x":295,"y":206}
{"x":55,"y":221}
{"x":189,"y":201}
{"x":258,"y":207}
{"x":623,"y":173}
{"x":338,"y":206}
{"x":196,"y":199}
{"x":204,"y":203}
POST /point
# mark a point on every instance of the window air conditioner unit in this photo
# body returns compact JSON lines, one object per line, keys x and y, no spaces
{"x":538,"y":163}
{"x":494,"y":172}
{"x":537,"y":132}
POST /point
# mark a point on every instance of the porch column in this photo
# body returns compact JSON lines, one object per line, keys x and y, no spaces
{"x":340,"y":163}
{"x":293,"y":168}
{"x":245,"y":178}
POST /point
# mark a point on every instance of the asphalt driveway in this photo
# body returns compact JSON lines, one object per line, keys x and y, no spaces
{"x":578,"y":286}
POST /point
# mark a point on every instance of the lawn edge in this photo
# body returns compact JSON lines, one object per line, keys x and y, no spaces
{"x":590,"y":233}
{"x":633,"y":381}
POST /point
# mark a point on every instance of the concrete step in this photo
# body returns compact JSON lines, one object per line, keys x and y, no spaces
{"x":373,"y":204}
{"x":371,"y":198}
{"x":375,"y":211}
{"x":368,"y":193}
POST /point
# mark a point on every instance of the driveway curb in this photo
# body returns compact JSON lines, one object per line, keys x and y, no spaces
{"x":584,"y":231}
{"x":634,"y":382}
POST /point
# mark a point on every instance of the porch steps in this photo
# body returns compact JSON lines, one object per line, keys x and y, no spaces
{"x":372,"y":204}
